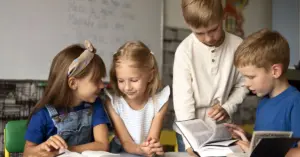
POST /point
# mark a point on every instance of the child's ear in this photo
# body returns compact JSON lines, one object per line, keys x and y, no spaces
{"x":73,"y":83}
{"x":277,"y":70}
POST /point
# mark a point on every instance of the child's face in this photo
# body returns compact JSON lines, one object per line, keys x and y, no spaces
{"x":88,"y":90}
{"x":132,"y":81}
{"x":210,"y":35}
{"x":258,"y":80}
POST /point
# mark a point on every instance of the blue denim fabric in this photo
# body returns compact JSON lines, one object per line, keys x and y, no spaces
{"x":114,"y":147}
{"x":75,"y":127}
{"x":181,"y":145}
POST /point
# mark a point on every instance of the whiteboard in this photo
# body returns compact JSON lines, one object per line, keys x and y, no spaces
{"x":34,"y":31}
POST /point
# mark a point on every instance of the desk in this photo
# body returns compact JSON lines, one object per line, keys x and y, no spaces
{"x":168,"y":154}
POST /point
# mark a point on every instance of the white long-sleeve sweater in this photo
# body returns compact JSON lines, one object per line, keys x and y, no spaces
{"x":202,"y":74}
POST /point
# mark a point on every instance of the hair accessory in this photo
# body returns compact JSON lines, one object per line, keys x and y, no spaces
{"x":83,"y":60}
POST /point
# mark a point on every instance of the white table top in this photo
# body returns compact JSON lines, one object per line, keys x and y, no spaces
{"x":168,"y":154}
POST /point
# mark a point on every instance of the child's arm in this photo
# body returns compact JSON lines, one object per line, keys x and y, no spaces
{"x":155,"y":130}
{"x":294,"y":152}
{"x":47,"y":148}
{"x":122,"y":132}
{"x":101,"y":140}
{"x":35,"y":137}
{"x":238,"y":93}
{"x":157,"y":123}
{"x":34,"y":150}
{"x":183,"y":95}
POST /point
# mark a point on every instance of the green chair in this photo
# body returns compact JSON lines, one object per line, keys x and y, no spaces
{"x":14,"y":136}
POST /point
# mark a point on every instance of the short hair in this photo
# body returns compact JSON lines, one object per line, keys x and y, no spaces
{"x":263,"y":49}
{"x":201,"y":13}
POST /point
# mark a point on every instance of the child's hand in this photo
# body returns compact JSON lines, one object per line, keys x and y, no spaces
{"x":218,"y":113}
{"x":146,"y":150}
{"x":191,"y":152}
{"x":157,"y":148}
{"x":243,"y":142}
{"x":239,"y":133}
{"x":45,"y":154}
{"x":151,"y":147}
{"x":53,"y":143}
{"x":245,"y":145}
{"x":236,"y":131}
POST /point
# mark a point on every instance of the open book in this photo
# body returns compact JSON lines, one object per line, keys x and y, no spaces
{"x":206,"y":140}
{"x":67,"y":153}
{"x":268,"y":143}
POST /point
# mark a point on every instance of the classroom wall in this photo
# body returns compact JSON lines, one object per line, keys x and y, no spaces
{"x":257,"y":14}
{"x":285,"y":19}
{"x":173,"y":17}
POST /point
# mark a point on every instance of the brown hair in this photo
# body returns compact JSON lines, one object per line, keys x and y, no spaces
{"x":201,"y":13}
{"x":57,"y":92}
{"x":143,"y":58}
{"x":263,"y":49}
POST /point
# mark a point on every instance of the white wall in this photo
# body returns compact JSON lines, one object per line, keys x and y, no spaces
{"x":257,"y":14}
{"x":173,"y":16}
{"x":286,"y":21}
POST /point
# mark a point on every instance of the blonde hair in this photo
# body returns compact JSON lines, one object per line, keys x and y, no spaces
{"x":263,"y":49}
{"x":140,"y":54}
{"x":57,"y":91}
{"x":201,"y":13}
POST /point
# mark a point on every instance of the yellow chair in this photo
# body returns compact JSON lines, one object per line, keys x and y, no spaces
{"x":110,"y":136}
{"x":248,"y":128}
{"x":6,"y":153}
{"x":168,"y":138}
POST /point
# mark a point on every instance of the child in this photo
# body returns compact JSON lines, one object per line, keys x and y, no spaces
{"x":206,"y":85}
{"x":70,"y":114}
{"x":136,"y":108}
{"x":263,"y":58}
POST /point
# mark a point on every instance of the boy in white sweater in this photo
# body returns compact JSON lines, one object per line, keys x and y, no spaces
{"x":206,"y":85}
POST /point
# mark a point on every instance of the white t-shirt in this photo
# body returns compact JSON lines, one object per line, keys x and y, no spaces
{"x":138,"y":122}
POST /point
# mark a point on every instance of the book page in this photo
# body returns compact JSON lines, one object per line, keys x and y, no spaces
{"x":67,"y":153}
{"x":258,"y":135}
{"x":221,"y":133}
{"x":196,"y":132}
{"x":221,"y":143}
{"x":99,"y":154}
{"x":219,"y":151}
{"x":88,"y":153}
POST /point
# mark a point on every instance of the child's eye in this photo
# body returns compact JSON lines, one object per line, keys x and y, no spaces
{"x":120,"y":81}
{"x":134,"y":80}
{"x":200,"y":34}
{"x":215,"y":29}
{"x":251,"y":77}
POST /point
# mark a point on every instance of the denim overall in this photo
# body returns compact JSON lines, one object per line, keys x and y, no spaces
{"x":75,"y":127}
